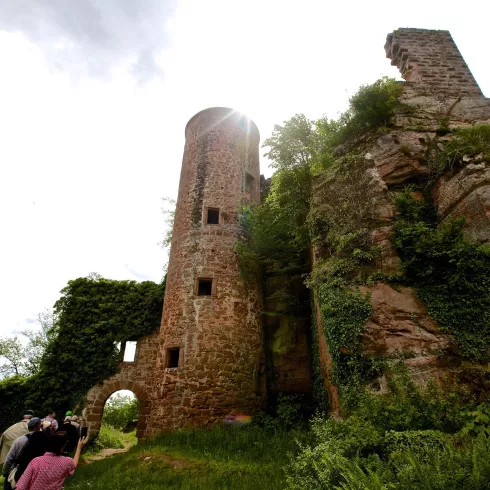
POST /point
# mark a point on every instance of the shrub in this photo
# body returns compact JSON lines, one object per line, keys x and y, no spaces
{"x":13,"y":394}
{"x":285,"y":415}
{"x":371,"y":107}
{"x":420,"y":443}
{"x":408,"y":406}
{"x":466,"y":141}
{"x":119,"y":410}
{"x":108,"y":438}
{"x":450,"y":274}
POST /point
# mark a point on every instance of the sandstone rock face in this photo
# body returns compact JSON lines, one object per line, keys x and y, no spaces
{"x":398,"y":156}
{"x":467,"y":195}
{"x":400,"y":323}
{"x":400,"y":327}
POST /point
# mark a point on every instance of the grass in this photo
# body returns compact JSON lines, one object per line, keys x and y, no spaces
{"x":218,"y":458}
{"x":111,"y":438}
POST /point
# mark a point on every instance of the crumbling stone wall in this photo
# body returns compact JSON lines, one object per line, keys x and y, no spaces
{"x":431,"y":60}
{"x":134,"y":376}
{"x":219,"y":335}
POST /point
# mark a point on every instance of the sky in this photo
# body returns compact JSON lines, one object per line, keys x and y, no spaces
{"x":95,"y":95}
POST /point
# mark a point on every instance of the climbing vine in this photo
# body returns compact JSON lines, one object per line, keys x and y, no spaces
{"x":94,"y":315}
{"x":450,"y":274}
{"x":344,"y":313}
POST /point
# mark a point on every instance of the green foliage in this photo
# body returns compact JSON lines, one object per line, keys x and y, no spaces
{"x":93,"y":316}
{"x":24,"y":359}
{"x":344,"y":313}
{"x":450,"y":274}
{"x":465,"y":142}
{"x":417,"y":442}
{"x":12,"y":357}
{"x":286,"y":414}
{"x":120,"y":410}
{"x":40,"y":340}
{"x":339,"y":223}
{"x":109,"y":438}
{"x":478,"y":420}
{"x":13,"y":394}
{"x":370,"y":108}
{"x":408,"y":406}
{"x":465,"y":468}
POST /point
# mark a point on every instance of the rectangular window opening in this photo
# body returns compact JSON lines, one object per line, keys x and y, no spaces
{"x":173,"y":355}
{"x":130,"y":352}
{"x":212,"y":217}
{"x":204,"y":287}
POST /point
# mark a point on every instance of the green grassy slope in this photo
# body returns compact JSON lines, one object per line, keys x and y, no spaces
{"x":219,"y":458}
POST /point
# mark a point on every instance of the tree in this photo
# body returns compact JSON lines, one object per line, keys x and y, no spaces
{"x":39,"y":340}
{"x":25,"y":360}
{"x":120,"y":409}
{"x":13,"y":357}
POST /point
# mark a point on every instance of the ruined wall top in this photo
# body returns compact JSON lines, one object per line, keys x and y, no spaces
{"x":431,"y":59}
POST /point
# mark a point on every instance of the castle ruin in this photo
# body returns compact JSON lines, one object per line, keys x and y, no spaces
{"x":211,"y":356}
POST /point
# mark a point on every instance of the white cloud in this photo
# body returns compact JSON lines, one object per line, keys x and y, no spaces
{"x":87,"y":151}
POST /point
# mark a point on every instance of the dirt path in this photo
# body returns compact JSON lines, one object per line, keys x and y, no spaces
{"x":105,"y":453}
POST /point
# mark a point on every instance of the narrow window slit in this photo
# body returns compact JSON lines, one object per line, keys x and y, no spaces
{"x":173,"y":355}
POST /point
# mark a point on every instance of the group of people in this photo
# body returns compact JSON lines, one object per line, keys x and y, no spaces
{"x":34,"y":451}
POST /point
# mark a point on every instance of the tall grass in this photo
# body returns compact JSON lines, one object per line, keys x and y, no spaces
{"x":218,"y":458}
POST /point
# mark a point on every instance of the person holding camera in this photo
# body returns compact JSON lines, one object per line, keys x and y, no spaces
{"x":48,"y":472}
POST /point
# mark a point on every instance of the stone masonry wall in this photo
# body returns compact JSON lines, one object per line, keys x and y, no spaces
{"x":219,"y":336}
{"x":432,"y":60}
{"x":134,"y":376}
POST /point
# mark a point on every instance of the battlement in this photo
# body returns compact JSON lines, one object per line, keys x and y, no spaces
{"x":431,"y":59}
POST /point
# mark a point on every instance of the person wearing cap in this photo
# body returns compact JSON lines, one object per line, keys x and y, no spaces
{"x":24,"y":449}
{"x":12,"y":433}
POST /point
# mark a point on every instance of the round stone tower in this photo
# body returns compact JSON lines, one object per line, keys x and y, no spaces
{"x":211,"y":342}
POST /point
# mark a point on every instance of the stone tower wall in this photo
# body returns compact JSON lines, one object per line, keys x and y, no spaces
{"x":432,"y":60}
{"x":219,"y":336}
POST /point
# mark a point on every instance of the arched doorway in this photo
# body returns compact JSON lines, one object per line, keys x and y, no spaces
{"x":121,"y":411}
{"x":98,"y":396}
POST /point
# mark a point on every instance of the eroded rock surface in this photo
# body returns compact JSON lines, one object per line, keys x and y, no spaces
{"x":467,"y":195}
{"x":400,"y":323}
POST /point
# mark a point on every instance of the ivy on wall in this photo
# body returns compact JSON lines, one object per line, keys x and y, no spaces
{"x":93,"y":316}
{"x":344,"y":313}
{"x":450,"y":274}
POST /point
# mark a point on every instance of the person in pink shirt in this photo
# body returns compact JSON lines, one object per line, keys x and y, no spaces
{"x":48,"y":472}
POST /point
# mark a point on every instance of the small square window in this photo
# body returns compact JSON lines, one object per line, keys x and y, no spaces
{"x":173,"y":355}
{"x":130,"y":351}
{"x":212,"y":217}
{"x":204,"y":287}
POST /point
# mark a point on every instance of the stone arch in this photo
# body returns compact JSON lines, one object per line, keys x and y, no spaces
{"x":97,"y":397}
